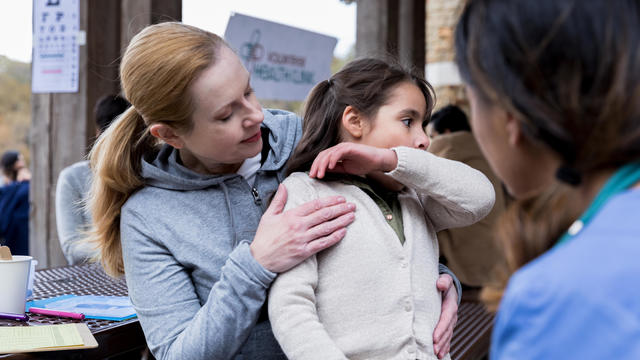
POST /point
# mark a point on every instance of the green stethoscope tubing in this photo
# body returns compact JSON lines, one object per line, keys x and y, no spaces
{"x":620,"y":181}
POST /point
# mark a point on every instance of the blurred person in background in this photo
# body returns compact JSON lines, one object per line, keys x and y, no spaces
{"x":72,"y":217}
{"x":14,"y":203}
{"x":471,"y":252}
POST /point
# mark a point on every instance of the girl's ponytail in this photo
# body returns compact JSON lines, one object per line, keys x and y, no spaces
{"x":320,"y":128}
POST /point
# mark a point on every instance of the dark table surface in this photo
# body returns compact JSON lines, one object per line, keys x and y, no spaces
{"x":116,"y":339}
{"x":123,"y":340}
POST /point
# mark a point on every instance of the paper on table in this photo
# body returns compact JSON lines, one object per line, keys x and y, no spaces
{"x":14,"y":338}
{"x":115,"y":308}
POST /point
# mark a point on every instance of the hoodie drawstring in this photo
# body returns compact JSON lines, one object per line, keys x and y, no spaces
{"x":233,"y":223}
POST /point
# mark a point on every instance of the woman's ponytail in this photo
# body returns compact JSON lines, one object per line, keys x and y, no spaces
{"x":115,"y":162}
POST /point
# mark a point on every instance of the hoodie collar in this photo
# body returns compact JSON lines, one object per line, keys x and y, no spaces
{"x":162,"y":169}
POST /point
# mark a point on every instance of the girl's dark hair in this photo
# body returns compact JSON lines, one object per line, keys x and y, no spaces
{"x":568,"y":71}
{"x":364,"y":84}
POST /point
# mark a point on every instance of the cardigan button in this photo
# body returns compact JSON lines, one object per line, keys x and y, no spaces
{"x":389,"y":217}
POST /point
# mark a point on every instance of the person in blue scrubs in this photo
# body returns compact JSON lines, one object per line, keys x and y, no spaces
{"x":554,"y":89}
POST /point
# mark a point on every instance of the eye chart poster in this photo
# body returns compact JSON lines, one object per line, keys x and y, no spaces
{"x":56,"y":31}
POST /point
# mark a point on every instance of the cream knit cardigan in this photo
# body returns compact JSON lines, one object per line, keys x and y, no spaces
{"x":369,"y":296}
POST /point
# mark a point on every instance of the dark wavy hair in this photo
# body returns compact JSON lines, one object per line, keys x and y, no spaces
{"x":364,"y":84}
{"x":569,"y":72}
{"x":450,"y":118}
{"x":8,"y":162}
{"x":107,"y":109}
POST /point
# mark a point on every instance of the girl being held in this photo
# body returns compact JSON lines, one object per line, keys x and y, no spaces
{"x":374,"y":295}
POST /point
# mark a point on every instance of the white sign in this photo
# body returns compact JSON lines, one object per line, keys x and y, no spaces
{"x":443,"y":73}
{"x":284,"y":62}
{"x":56,"y":26}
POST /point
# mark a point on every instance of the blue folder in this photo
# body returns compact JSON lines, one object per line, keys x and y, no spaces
{"x":92,"y":306}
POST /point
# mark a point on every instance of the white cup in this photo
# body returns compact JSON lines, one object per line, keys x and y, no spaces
{"x":13,"y":288}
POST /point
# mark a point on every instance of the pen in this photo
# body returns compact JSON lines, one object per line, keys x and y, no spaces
{"x":16,"y":317}
{"x":67,"y":314}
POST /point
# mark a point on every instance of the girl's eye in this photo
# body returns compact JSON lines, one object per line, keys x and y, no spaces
{"x":248,"y":92}
{"x":227,"y":117}
{"x":406,"y":122}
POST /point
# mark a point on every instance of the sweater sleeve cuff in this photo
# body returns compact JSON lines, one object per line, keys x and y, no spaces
{"x":445,"y":270}
{"x":243,"y":258}
{"x":413,"y":168}
{"x":401,"y":153}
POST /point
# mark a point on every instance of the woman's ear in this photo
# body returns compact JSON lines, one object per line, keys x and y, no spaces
{"x":512,"y":127}
{"x":353,"y":122}
{"x":166,"y":134}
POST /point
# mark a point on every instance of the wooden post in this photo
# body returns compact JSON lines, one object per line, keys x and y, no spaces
{"x":137,"y":14}
{"x":62,"y":126}
{"x":376,"y":28}
{"x":392,"y":28}
{"x":411,"y":34}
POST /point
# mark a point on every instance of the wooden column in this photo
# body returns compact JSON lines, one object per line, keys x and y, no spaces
{"x":136,"y":14}
{"x":392,"y":28}
{"x":62,"y":126}
{"x":411,"y":34}
{"x":376,"y":28}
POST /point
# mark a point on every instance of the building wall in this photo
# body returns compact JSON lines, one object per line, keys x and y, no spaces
{"x":441,"y":19}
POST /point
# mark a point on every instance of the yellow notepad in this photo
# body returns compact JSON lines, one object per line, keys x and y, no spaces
{"x":15,"y":339}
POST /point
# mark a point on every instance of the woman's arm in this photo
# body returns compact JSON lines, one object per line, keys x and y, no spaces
{"x":175,"y":323}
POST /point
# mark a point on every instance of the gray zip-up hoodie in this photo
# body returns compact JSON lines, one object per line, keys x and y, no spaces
{"x":196,"y":287}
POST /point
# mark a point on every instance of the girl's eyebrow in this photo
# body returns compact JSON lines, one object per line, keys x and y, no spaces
{"x":410,"y":112}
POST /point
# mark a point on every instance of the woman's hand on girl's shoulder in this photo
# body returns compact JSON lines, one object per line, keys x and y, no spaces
{"x":355,"y":159}
{"x":286,"y":238}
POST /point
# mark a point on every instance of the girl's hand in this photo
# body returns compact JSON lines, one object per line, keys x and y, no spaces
{"x":355,"y":159}
{"x":284,"y":239}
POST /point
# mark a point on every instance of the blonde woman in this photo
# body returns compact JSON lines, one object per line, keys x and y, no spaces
{"x":179,"y":196}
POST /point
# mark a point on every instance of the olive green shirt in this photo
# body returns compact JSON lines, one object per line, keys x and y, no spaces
{"x":387,"y":200}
